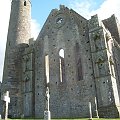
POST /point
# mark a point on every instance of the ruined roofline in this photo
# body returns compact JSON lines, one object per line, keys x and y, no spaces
{"x":111,"y":18}
{"x":55,"y":11}
{"x":61,"y":7}
{"x":113,"y":25}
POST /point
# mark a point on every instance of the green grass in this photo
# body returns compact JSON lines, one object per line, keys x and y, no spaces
{"x":72,"y":119}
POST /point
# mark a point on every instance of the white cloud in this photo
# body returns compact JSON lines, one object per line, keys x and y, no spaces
{"x":4,"y":21}
{"x":35,"y":28}
{"x":82,"y":8}
{"x":108,"y":8}
{"x":105,"y":10}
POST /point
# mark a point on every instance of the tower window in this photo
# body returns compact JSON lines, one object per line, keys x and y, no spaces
{"x":25,"y":3}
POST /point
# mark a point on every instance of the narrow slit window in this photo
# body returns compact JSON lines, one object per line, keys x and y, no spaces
{"x":79,"y":71}
{"x":61,"y":77}
{"x":78,"y":63}
{"x":61,"y":65}
{"x":47,"y":68}
{"x":25,"y":3}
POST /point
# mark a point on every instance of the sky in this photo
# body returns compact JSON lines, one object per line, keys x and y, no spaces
{"x":42,"y":8}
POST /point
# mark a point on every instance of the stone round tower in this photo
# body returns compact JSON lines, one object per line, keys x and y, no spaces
{"x":19,"y":33}
{"x":20,"y":19}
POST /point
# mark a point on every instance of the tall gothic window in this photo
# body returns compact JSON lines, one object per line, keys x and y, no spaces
{"x":47,"y":68}
{"x":78,"y":62}
{"x":61,"y":65}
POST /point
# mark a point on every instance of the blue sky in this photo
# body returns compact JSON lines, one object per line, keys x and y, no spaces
{"x":42,"y":8}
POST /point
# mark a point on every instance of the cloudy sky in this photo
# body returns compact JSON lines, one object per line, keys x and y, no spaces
{"x":42,"y":8}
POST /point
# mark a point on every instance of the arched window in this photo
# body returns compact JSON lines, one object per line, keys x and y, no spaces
{"x":61,"y":65}
{"x":61,"y":53}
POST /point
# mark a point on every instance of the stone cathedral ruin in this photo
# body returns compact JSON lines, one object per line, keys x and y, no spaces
{"x":88,"y":68}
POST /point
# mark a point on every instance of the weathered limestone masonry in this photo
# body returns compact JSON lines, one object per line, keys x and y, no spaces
{"x":104,"y":69}
{"x":65,"y":29}
{"x":17,"y":39}
{"x":83,"y":58}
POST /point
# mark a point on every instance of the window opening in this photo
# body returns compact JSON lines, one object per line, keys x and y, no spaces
{"x":47,"y":68}
{"x":61,"y":53}
{"x":61,"y":78}
{"x":59,"y":20}
{"x":78,"y":62}
{"x":61,"y":65}
{"x":25,"y":3}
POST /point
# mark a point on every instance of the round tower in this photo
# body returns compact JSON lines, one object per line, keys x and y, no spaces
{"x":19,"y":33}
{"x":20,"y":23}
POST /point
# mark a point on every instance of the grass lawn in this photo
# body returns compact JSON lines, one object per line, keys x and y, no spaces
{"x":72,"y":119}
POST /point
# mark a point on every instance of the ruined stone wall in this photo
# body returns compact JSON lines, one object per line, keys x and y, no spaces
{"x":87,"y":68}
{"x":64,"y":29}
{"x":116,"y":58}
{"x":28,"y":82}
{"x":39,"y":79}
{"x":114,"y":28}
{"x":104,"y":70}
